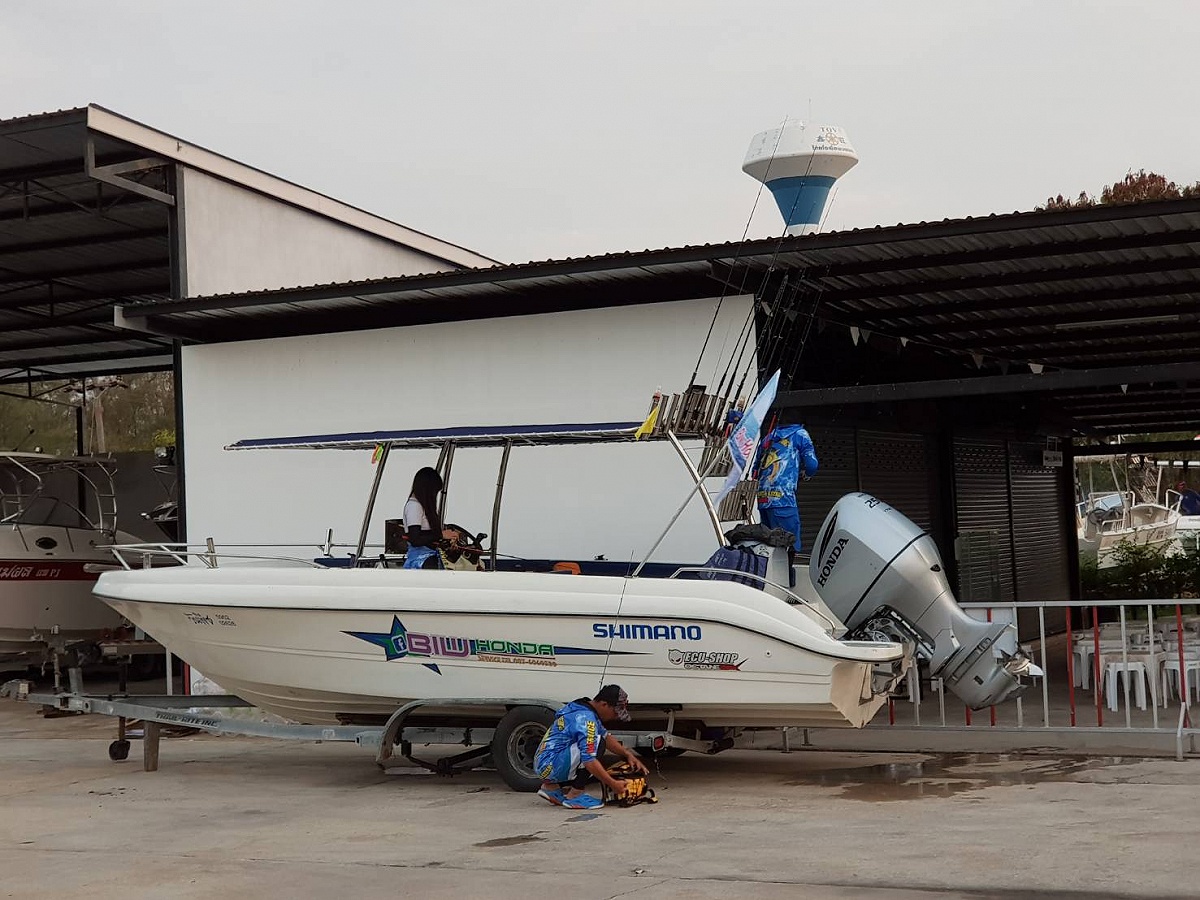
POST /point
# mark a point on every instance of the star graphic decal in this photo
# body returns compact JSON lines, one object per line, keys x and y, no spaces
{"x":394,"y":642}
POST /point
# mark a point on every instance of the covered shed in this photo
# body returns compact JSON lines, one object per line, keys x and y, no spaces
{"x":98,"y":210}
{"x":951,"y":367}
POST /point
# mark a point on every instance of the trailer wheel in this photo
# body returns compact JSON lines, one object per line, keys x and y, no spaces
{"x":515,"y":745}
{"x":118,"y":750}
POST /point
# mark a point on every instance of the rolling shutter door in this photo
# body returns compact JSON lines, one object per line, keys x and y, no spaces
{"x":899,"y":470}
{"x":983,"y":543}
{"x":1039,"y":526}
{"x":836,"y":477}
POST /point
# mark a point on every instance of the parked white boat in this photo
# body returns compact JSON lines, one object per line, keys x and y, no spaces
{"x":322,"y":644}
{"x":1107,"y":520}
{"x":57,"y":517}
{"x":1187,"y":534}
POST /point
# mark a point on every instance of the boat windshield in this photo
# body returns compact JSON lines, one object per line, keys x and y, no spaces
{"x":37,"y":490}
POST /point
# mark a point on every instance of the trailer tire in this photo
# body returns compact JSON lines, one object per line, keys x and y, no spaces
{"x":515,"y":743}
{"x":118,"y":750}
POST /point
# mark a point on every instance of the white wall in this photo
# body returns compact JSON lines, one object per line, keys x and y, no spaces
{"x":569,"y":502}
{"x":236,"y":240}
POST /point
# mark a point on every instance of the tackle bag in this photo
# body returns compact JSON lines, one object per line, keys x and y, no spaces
{"x":636,"y":790}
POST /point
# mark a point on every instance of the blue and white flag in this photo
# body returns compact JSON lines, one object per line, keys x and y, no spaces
{"x":743,"y":440}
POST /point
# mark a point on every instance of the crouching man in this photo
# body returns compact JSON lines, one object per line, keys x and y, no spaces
{"x":567,"y":759}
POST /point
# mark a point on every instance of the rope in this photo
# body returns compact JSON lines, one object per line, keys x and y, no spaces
{"x":737,"y":254}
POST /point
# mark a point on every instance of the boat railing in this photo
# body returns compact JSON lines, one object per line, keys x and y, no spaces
{"x":792,"y":599}
{"x":147,"y":555}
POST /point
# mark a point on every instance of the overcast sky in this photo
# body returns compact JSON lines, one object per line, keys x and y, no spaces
{"x":542,"y":130}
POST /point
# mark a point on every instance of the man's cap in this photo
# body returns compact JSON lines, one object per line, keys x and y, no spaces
{"x":616,"y":698}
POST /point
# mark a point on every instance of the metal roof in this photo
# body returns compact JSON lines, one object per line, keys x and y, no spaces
{"x":85,"y":220}
{"x":71,"y":247}
{"x":1107,"y":292}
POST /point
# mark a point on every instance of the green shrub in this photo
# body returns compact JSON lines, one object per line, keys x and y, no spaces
{"x":1141,"y":572}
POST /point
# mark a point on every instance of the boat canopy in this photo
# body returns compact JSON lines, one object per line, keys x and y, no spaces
{"x":434,"y":438}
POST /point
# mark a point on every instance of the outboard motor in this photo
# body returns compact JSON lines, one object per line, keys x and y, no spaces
{"x":882,"y":576}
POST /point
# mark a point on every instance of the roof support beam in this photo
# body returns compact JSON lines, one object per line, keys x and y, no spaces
{"x":1138,"y":447}
{"x":47,"y":275}
{"x":886,"y":318}
{"x":112,"y":174}
{"x":997,"y":384}
{"x":1010,"y":279}
{"x":1015,"y":250}
{"x":58,"y":209}
{"x":101,"y":336}
{"x":18,"y":299}
{"x":66,"y":360}
{"x":87,"y":240}
{"x":1161,"y":335}
{"x":59,"y":169}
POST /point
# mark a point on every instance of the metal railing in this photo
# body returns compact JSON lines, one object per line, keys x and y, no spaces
{"x":1108,"y":667}
{"x":207,"y":554}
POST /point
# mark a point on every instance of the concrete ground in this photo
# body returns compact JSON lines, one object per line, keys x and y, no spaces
{"x":236,"y":818}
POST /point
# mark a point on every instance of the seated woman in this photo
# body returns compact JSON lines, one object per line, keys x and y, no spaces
{"x":422,"y":526}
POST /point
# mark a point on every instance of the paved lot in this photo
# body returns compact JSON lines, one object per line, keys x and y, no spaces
{"x":235,"y":818}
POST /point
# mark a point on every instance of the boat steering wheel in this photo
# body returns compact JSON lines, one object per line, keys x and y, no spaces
{"x":468,"y":545}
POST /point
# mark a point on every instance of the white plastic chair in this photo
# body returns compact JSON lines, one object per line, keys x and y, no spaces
{"x":1170,"y":677}
{"x":1084,"y":651}
{"x":1113,"y":669}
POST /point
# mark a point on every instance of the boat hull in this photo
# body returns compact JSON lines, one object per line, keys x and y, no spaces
{"x":327,"y":646}
{"x":46,"y":592}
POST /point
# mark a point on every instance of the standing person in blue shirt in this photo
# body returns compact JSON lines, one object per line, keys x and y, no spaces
{"x":1189,"y":500}
{"x":787,"y":457}
{"x":568,"y":757}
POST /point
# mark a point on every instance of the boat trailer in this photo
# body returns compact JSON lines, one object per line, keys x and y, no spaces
{"x":509,"y":747}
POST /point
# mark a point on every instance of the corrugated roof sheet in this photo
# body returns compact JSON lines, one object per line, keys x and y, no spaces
{"x":1068,"y":289}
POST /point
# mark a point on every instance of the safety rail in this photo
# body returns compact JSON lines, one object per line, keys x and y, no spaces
{"x":1144,"y":656}
{"x":205,"y":553}
{"x":793,"y":599}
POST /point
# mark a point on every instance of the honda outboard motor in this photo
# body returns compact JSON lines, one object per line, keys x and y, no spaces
{"x":882,"y":576}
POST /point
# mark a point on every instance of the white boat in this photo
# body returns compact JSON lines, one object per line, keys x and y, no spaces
{"x":57,"y":518}
{"x":319,"y":643}
{"x":1187,"y":534}
{"x":1107,"y":520}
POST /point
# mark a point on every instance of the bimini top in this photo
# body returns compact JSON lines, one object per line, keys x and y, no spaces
{"x":433,"y":438}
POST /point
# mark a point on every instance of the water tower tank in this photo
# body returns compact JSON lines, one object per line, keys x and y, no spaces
{"x":799,"y":162}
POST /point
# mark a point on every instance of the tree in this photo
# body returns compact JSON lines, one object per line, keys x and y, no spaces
{"x":134,"y":414}
{"x":1136,"y":187}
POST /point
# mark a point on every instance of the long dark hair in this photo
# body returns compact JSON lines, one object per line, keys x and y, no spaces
{"x":427,"y":484}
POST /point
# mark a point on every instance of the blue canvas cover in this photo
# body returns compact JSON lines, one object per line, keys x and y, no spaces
{"x":739,"y":559}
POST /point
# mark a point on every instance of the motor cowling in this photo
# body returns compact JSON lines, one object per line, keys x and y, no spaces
{"x":883,"y":577}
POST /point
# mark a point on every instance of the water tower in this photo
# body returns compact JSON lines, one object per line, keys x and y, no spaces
{"x":800,"y":162}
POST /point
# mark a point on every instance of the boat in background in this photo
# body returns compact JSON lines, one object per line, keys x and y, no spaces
{"x":57,"y":519}
{"x":1107,"y":520}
